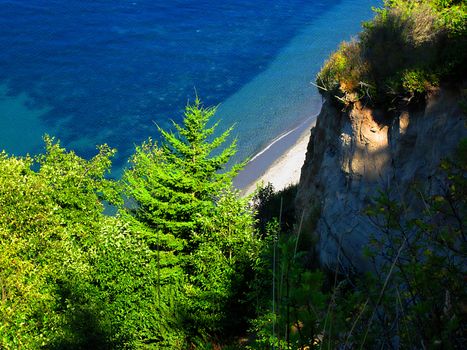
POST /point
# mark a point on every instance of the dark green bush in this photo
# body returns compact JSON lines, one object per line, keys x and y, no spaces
{"x":271,"y":205}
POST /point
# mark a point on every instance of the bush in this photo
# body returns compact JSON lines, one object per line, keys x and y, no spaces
{"x":401,"y":47}
{"x":418,"y":81}
{"x":344,"y":72}
{"x":290,"y":301}
{"x":271,"y":205}
{"x":48,"y":218}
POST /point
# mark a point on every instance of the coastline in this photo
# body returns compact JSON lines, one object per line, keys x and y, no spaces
{"x":279,"y":163}
{"x":281,"y":97}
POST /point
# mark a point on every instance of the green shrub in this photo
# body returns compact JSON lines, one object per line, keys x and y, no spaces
{"x":291,"y":304}
{"x":269,"y":205}
{"x":344,"y":72}
{"x":418,"y":81}
{"x":50,"y":210}
{"x":454,"y":19}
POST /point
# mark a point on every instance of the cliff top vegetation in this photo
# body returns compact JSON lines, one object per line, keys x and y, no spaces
{"x":408,"y":49}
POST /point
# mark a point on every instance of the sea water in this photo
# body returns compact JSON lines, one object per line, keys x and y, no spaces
{"x":93,"y":72}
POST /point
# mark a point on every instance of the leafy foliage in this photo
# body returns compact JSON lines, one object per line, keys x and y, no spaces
{"x":47,"y":220}
{"x":291,"y":316}
{"x":289,"y":297}
{"x":271,"y":205}
{"x":342,"y":73}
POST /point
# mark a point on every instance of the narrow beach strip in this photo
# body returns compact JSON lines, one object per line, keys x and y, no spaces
{"x":279,"y":163}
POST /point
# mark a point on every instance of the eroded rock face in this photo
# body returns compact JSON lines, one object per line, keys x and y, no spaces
{"x":354,"y":154}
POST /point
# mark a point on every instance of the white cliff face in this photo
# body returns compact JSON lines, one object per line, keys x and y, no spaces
{"x":354,"y":154}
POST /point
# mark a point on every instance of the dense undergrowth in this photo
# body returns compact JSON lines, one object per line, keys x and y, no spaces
{"x":407,"y":50}
{"x":168,"y":271}
{"x":186,"y":263}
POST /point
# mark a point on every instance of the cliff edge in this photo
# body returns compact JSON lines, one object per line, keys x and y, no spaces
{"x":355,"y":153}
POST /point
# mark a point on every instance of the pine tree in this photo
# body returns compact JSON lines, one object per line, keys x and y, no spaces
{"x":174,"y":184}
{"x":176,"y":190}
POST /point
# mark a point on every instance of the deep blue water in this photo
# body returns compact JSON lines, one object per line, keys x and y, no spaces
{"x":94,"y":71}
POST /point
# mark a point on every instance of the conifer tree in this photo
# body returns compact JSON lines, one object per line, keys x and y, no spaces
{"x":174,"y":184}
{"x":175,"y":189}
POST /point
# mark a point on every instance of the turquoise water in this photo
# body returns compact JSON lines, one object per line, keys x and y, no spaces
{"x":91,"y":72}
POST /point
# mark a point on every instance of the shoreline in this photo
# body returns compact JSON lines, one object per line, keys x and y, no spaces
{"x":281,"y":97}
{"x":280,"y":162}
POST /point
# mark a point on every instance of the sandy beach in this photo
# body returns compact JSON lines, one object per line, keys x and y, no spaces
{"x":283,"y":169}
